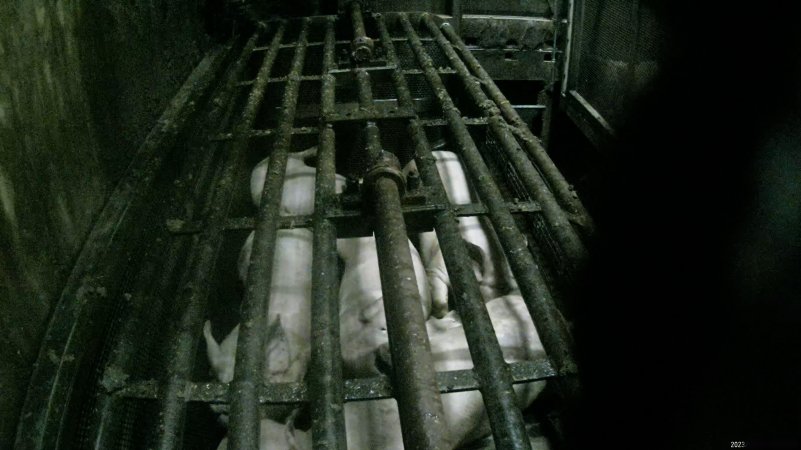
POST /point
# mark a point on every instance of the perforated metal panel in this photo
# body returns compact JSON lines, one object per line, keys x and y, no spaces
{"x":614,"y":49}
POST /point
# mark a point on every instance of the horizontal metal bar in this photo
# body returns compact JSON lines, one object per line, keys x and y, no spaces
{"x":379,"y":111}
{"x":356,"y":389}
{"x":441,"y":70}
{"x":342,"y":216}
{"x":253,"y":134}
{"x":338,"y":42}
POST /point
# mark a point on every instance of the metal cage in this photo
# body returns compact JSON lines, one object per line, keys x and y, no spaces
{"x":120,"y":365}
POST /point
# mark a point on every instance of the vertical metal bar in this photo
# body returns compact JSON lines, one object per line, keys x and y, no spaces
{"x":550,"y":324}
{"x":328,"y":81}
{"x":362,"y":45}
{"x":558,"y":222}
{"x":414,"y":381}
{"x":401,"y":87}
{"x":562,"y":190}
{"x":493,"y":373}
{"x":248,"y":369}
{"x":150,"y":283}
{"x":365,"y":90}
{"x":194,"y":285}
{"x":326,"y":388}
{"x":108,"y":254}
{"x":456,"y":13}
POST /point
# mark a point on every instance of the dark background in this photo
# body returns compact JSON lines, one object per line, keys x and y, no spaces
{"x":689,"y":327}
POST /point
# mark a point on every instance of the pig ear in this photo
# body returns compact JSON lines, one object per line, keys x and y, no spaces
{"x":278,"y":352}
{"x":212,"y":347}
{"x":476,"y":254}
{"x":310,"y":152}
{"x":410,"y":167}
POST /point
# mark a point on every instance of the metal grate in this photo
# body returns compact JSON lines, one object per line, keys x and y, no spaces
{"x":616,"y":47}
{"x":369,"y":113}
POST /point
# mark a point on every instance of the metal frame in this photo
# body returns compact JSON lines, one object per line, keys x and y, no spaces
{"x":384,"y":206}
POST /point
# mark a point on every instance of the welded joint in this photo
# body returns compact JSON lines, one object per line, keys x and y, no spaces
{"x":362,"y":45}
{"x":387,"y":165}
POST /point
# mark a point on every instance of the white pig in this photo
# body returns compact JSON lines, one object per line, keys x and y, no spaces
{"x":276,"y":436}
{"x":363,"y":325}
{"x":288,"y":332}
{"x":376,"y":425}
{"x":489,"y":264}
{"x":297,"y":197}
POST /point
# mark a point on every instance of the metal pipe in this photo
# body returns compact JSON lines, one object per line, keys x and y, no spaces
{"x":493,"y":373}
{"x":563,"y":191}
{"x":155,"y":279}
{"x":326,"y":387}
{"x":327,"y":80}
{"x":414,"y":379}
{"x":248,"y":370}
{"x":558,"y":222}
{"x":193,"y":292}
{"x":361,"y":45}
{"x":401,"y":87}
{"x":456,"y":14}
{"x":365,"y":90}
{"x":550,"y":324}
{"x":495,"y":378}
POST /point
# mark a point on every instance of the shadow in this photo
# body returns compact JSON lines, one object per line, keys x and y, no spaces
{"x":689,"y":321}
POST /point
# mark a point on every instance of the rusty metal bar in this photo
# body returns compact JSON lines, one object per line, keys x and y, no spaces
{"x":456,"y":14}
{"x":558,"y":222}
{"x":365,"y":90}
{"x":248,"y":369}
{"x":495,"y":377}
{"x":563,"y":191}
{"x":398,"y":78}
{"x":155,"y":279}
{"x":356,"y":389}
{"x":327,"y":80}
{"x":194,"y":286}
{"x":500,"y":400}
{"x":549,"y":321}
{"x":414,"y":379}
{"x":326,"y":388}
{"x":325,"y":381}
{"x":361,"y":45}
{"x":344,"y":218}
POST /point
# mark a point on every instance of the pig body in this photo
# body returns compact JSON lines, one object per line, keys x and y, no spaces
{"x":363,"y":325}
{"x":287,"y":335}
{"x":297,"y":197}
{"x":489,"y":264}
{"x":376,"y":424}
{"x":519,"y":341}
{"x":277,"y":436}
